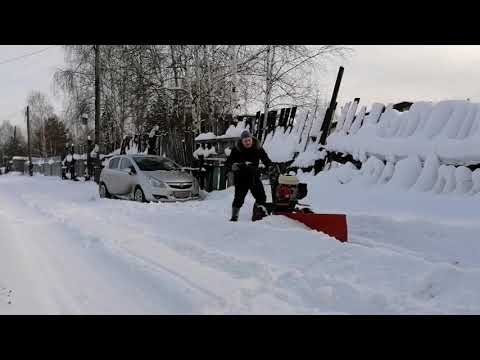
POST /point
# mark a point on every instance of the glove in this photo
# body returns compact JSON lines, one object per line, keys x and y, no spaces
{"x":235,"y":167}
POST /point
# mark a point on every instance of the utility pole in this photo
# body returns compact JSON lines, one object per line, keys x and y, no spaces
{"x":233,"y":93}
{"x":97,"y":95}
{"x":331,"y":109}
{"x":30,"y":165}
{"x":327,"y":121}
{"x":270,"y":57}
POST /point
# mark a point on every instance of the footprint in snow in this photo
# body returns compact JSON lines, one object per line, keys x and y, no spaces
{"x":6,"y":295}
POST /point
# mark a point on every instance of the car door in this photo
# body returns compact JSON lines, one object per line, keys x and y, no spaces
{"x":111,"y":175}
{"x":126,"y":181}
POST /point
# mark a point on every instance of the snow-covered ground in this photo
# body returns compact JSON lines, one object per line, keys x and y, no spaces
{"x":64,"y":250}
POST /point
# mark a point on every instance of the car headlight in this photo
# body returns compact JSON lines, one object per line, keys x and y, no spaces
{"x":156,"y":183}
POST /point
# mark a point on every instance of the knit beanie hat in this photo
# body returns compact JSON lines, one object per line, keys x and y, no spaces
{"x":245,"y":134}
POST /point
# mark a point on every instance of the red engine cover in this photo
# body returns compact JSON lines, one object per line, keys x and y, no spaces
{"x":284,"y":192}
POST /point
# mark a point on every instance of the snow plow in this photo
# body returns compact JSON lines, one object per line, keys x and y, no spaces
{"x":286,"y":191}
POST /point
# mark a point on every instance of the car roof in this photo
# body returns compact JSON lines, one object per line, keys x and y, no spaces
{"x":144,"y":155}
{"x":132,"y":156}
{"x":136,"y":155}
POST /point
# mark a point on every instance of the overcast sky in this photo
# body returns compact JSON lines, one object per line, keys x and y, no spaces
{"x":408,"y":73}
{"x":372,"y":73}
{"x":18,"y":78}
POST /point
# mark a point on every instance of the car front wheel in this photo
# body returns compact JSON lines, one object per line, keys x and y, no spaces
{"x":139,"y":196}
{"x":104,"y":194}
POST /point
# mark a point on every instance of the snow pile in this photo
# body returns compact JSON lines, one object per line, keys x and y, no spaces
{"x":463,"y":179}
{"x":450,"y":129}
{"x":446,"y":180}
{"x":370,"y":172}
{"x":132,"y":150}
{"x":374,"y":114}
{"x":299,"y":143}
{"x":205,"y":152}
{"x":308,"y":157}
{"x":206,"y":136}
{"x":280,"y":146}
{"x":233,"y":131}
{"x":428,"y":177}
{"x":408,"y":174}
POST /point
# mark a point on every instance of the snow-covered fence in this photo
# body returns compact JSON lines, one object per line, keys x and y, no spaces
{"x":18,"y":163}
{"x":292,"y":140}
{"x":431,"y":147}
{"x":47,"y":167}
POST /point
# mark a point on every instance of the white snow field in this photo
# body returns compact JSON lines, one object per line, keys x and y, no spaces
{"x":63,"y":250}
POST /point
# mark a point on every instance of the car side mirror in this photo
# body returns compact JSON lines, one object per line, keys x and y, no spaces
{"x":131,"y":170}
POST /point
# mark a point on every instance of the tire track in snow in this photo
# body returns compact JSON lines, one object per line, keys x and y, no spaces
{"x":241,"y":281}
{"x":196,"y":275}
{"x":59,"y":293}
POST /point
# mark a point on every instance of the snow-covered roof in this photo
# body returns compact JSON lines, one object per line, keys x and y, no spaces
{"x":232,"y":132}
{"x":206,"y":136}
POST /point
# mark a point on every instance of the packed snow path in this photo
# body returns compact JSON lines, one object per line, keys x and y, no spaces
{"x":65,"y":251}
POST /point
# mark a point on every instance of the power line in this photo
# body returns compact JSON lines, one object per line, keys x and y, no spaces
{"x":26,"y":55}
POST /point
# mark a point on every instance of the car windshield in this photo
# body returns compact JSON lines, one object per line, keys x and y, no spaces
{"x":154,"y":164}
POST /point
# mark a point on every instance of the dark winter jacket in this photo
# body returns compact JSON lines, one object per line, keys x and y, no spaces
{"x":254,"y":154}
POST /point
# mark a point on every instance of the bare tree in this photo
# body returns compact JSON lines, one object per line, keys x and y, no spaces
{"x":185,"y":89}
{"x":40,"y":110}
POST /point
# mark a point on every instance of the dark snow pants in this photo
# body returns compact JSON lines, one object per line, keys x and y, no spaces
{"x":245,"y":183}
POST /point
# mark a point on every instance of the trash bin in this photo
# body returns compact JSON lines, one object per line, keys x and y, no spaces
{"x":215,"y":176}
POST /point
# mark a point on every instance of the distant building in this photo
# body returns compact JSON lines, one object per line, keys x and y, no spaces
{"x":18,"y":163}
{"x":403,"y":106}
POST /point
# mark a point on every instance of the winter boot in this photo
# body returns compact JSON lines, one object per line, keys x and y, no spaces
{"x":258,"y":212}
{"x":235,"y":212}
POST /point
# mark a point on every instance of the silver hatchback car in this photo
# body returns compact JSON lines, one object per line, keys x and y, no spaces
{"x":146,"y":178}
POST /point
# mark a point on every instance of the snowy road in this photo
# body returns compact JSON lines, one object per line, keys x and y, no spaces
{"x":65,"y":251}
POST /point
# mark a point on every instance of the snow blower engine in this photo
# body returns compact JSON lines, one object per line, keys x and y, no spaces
{"x":286,"y":191}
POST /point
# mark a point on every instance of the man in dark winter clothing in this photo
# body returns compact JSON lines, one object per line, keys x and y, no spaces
{"x":243,"y":161}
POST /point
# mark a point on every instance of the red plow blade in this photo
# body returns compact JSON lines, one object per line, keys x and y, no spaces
{"x":334,"y":225}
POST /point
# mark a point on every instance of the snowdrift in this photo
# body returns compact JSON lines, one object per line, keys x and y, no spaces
{"x":428,"y":148}
{"x":408,"y":174}
{"x":449,"y":129}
